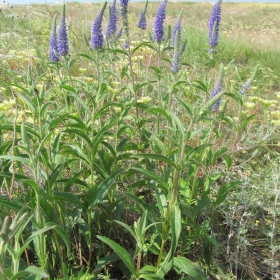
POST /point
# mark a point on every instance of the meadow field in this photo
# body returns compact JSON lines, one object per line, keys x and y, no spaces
{"x":140,"y":149}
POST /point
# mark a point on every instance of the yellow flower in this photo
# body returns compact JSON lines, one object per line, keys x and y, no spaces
{"x":144,"y":99}
{"x":117,"y":109}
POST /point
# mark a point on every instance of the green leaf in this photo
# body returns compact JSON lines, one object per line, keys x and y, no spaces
{"x":211,"y":102}
{"x":157,"y":157}
{"x":77,"y":97}
{"x":106,"y":260}
{"x":77,"y":151}
{"x":127,"y":227}
{"x":36,"y":271}
{"x":28,"y":101}
{"x":123,"y":254}
{"x":175,"y":221}
{"x":9,"y":204}
{"x":158,"y":143}
{"x":149,"y":174}
{"x":159,"y":111}
{"x":192,"y":269}
{"x":15,"y":158}
{"x":67,"y":197}
{"x":64,"y":236}
{"x":151,"y":277}
{"x":35,"y":234}
{"x":228,"y":160}
{"x":161,"y":202}
{"x":200,"y":85}
{"x":245,"y":122}
{"x":222,"y":193}
{"x":179,"y":124}
{"x":188,"y":107}
{"x":119,"y":51}
{"x":97,"y":194}
{"x":55,"y":150}
{"x":81,"y":134}
{"x":146,"y":44}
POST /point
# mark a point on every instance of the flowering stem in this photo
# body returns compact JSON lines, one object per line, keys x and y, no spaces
{"x":159,"y":95}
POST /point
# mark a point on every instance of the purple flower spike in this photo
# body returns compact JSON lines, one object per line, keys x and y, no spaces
{"x":177,"y":27}
{"x":124,"y":3}
{"x":158,"y":25}
{"x":62,"y":38}
{"x":245,"y":87}
{"x":112,"y":22}
{"x":177,"y":53}
{"x":53,"y":43}
{"x":97,"y":35}
{"x":142,"y":24}
{"x":124,"y":8}
{"x":218,"y":89}
{"x":214,"y":25}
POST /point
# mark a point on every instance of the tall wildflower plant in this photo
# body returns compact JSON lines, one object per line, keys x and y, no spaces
{"x":97,"y":34}
{"x":53,"y":43}
{"x":158,"y":37}
{"x":158,"y":25}
{"x":142,"y":24}
{"x":214,"y":26}
{"x":112,"y":21}
{"x":218,"y":88}
{"x":62,"y":38}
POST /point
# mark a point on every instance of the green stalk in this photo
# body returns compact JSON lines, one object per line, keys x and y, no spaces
{"x":159,"y":96}
{"x":90,"y":236}
{"x":2,"y":260}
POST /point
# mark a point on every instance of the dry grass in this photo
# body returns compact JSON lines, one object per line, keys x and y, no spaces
{"x":257,"y":24}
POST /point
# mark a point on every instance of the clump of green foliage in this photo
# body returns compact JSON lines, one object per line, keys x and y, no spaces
{"x":116,"y":165}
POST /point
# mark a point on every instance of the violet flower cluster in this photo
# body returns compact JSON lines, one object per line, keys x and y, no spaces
{"x":112,"y":22}
{"x":53,"y":43}
{"x":218,"y":89}
{"x":124,"y":11}
{"x":142,"y":24}
{"x":214,"y":25}
{"x":158,"y":25}
{"x":177,"y":27}
{"x":62,"y":38}
{"x":96,"y":32}
{"x":176,"y":53}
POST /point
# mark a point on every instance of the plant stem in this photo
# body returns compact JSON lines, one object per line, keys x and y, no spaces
{"x":159,"y":95}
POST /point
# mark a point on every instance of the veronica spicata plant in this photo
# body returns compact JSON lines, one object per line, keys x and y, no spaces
{"x":112,"y":21}
{"x":176,"y":53}
{"x":177,"y":27}
{"x":142,"y":24}
{"x":97,"y":35}
{"x":62,"y":39}
{"x":158,"y":25}
{"x":53,"y":43}
{"x":124,"y":11}
{"x":218,"y":88}
{"x":214,"y":25}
